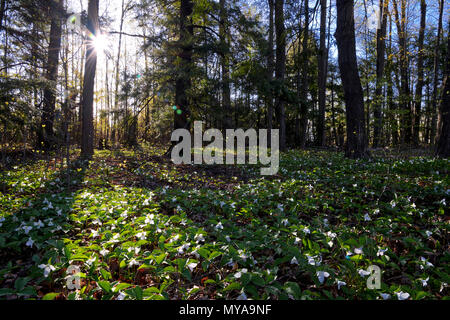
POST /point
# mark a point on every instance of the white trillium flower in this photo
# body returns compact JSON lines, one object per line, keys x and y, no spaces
{"x":321,"y":275}
{"x":428,"y":233}
{"x":306,"y":230}
{"x":367,"y":217}
{"x":363,"y":272}
{"x":47,"y":269}
{"x":358,"y":250}
{"x":219,"y":226}
{"x":242,"y":296}
{"x":381,"y":252}
{"x":104,"y":252}
{"x":340,"y":284}
{"x":29,"y":243}
{"x":199,"y":238}
{"x":402,"y":295}
{"x":427,"y":263}
{"x":385,"y":296}
{"x":424,"y":282}
{"x":90,"y":261}
{"x":191,"y":266}
{"x":294,"y":260}
{"x":141,"y":235}
{"x":39,"y":224}
{"x":27,"y":229}
{"x":121,"y":296}
{"x":133,"y":262}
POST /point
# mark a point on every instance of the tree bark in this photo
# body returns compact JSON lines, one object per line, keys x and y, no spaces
{"x":381,"y":48}
{"x":54,"y":48}
{"x":436,"y":73}
{"x":420,"y":82}
{"x":225,"y":61}
{"x":270,"y":68}
{"x":356,"y":146}
{"x":322,"y":74}
{"x":183,"y":81}
{"x":87,"y":131}
{"x":305,"y":85}
{"x":404,"y":99}
{"x":280,"y":68}
{"x":443,"y":138}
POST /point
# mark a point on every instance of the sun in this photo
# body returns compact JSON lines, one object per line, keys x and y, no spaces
{"x":100,"y":43}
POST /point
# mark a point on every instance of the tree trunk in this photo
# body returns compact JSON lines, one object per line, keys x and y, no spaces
{"x":115,"y":130}
{"x":404,"y":99}
{"x":436,"y":73}
{"x":322,"y":75}
{"x":183,"y":81}
{"x":353,"y":95}
{"x":48,"y":115}
{"x":280,"y":68}
{"x":443,"y":138}
{"x":270,"y":68}
{"x":419,"y":86}
{"x":305,"y":85}
{"x":87,"y":131}
{"x":381,"y":48}
{"x":225,"y":61}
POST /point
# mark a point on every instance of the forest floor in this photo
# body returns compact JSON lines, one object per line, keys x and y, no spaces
{"x":136,"y":226}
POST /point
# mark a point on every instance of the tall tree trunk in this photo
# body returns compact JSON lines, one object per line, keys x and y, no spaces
{"x":54,"y":48}
{"x":183,"y":81}
{"x":436,"y":73}
{"x":353,"y":95}
{"x":322,"y":74}
{"x":87,"y":131}
{"x":305,"y":85}
{"x":420,"y":82}
{"x":404,"y":99}
{"x":270,"y":68}
{"x":443,"y":138}
{"x":115,"y":130}
{"x":381,"y":48}
{"x":225,"y":61}
{"x":280,"y":68}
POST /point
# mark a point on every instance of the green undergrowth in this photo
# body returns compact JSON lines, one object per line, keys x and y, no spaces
{"x":135,"y":226}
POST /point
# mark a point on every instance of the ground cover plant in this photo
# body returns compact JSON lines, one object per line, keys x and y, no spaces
{"x":137,"y":226}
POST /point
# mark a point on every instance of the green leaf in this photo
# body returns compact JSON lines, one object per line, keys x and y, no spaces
{"x":120,"y":286}
{"x":50,"y":296}
{"x":105,"y":285}
{"x":21,"y":283}
{"x":233,"y":286}
{"x":293,"y":289}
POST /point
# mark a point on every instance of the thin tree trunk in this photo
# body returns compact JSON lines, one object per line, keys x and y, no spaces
{"x":270,"y":68}
{"x":381,"y":48}
{"x":305,"y":85}
{"x":225,"y":61}
{"x":404,"y":99}
{"x":420,"y":82}
{"x":353,"y":94}
{"x":322,"y":74}
{"x":280,"y":68}
{"x":436,"y":73}
{"x":87,"y":132}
